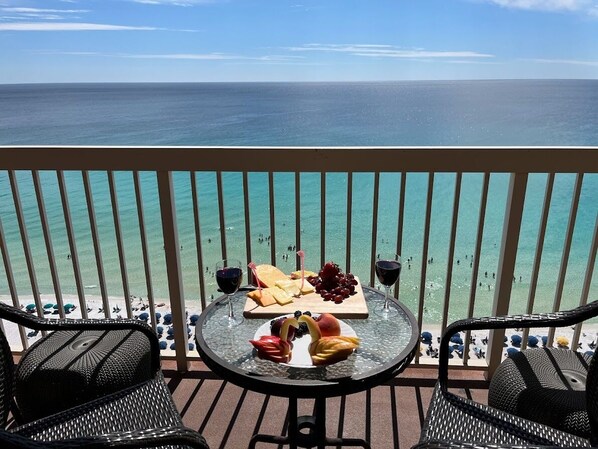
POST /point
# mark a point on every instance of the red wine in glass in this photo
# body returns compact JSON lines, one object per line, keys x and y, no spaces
{"x":388,"y":271}
{"x":229,"y":275}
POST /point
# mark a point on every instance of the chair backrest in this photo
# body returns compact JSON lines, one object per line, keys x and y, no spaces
{"x":592,"y":398}
{"x":6,"y":379}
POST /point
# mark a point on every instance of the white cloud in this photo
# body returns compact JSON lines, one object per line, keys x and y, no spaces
{"x":549,"y":5}
{"x":66,"y":26}
{"x":214,"y":56}
{"x":21,"y":13}
{"x":41,"y":10}
{"x":387,"y":51}
{"x":174,"y":2}
{"x":566,"y":61}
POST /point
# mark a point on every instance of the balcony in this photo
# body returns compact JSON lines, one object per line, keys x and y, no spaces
{"x":480,"y":231}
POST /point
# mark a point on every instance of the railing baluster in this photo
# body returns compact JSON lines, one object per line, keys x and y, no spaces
{"x":400,"y":226}
{"x":566,"y":250}
{"x":12,"y":287}
{"x":43,"y":216}
{"x":322,"y":218}
{"x":349,"y":220}
{"x":272,"y":219}
{"x":506,"y":265}
{"x":96,"y":243}
{"x":25,"y":241}
{"x":451,"y":254}
{"x":247,"y":224}
{"x":422,"y":282}
{"x":173,"y":267}
{"x":538,"y":254}
{"x":66,"y":210}
{"x":585,"y":292}
{"x":144,"y":249}
{"x":119,"y":243}
{"x":475,"y":263}
{"x":297,"y":218}
{"x":198,"y":246}
{"x":221,"y":214}
{"x":375,"y":199}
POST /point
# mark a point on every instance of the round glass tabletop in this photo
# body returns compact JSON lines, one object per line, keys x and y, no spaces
{"x":386,"y":348}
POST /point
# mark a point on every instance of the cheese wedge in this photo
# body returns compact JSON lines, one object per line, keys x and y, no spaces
{"x":288,"y":286}
{"x":307,"y":287}
{"x":297,"y":274}
{"x":281,"y":296}
{"x":266,"y":299}
{"x":269,"y":274}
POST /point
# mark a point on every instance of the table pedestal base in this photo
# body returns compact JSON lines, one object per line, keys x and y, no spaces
{"x":307,"y":431}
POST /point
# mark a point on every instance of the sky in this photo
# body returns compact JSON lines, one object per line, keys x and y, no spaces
{"x":65,"y":41}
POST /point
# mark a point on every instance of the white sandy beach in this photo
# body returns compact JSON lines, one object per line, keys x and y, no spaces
{"x":428,"y":351}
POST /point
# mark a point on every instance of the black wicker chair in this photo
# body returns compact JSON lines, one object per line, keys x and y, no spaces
{"x":142,"y":415}
{"x":454,"y":421}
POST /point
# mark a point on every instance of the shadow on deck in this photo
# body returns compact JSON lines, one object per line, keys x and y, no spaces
{"x":389,"y":416}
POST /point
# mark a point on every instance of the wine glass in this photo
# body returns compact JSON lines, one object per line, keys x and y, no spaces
{"x":229,"y":274}
{"x":387,"y":271}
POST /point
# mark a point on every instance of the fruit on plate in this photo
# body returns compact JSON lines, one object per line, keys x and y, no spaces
{"x":328,"y":324}
{"x":269,"y":274}
{"x":263,"y":298}
{"x":276,"y":327}
{"x":276,"y":349}
{"x":327,"y":350}
{"x":332,"y":284}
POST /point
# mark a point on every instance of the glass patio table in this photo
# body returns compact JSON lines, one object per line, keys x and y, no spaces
{"x":387,"y":346}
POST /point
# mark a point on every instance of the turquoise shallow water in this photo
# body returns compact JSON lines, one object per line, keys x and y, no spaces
{"x":451,"y":113}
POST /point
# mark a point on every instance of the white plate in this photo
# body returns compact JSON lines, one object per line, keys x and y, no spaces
{"x":300,"y":358}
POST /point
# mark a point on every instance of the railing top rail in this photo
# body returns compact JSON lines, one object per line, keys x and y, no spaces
{"x":303,"y":159}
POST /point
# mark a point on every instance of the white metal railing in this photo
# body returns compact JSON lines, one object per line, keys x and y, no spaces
{"x":166,"y":163}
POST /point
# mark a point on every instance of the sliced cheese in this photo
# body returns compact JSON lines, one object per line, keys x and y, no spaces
{"x":297,"y":274}
{"x":307,"y":287}
{"x":281,"y":296}
{"x":265,"y":299}
{"x":269,"y":274}
{"x":288,"y":286}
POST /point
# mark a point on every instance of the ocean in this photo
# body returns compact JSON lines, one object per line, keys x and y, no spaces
{"x":417,"y":113}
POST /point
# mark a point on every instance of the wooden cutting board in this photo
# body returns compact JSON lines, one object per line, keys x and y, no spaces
{"x":352,"y":307}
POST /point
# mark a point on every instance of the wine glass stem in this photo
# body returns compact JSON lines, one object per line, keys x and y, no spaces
{"x":386,"y":307}
{"x":230,"y":307}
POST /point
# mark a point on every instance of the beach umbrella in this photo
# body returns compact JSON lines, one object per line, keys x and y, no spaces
{"x":170,"y":331}
{"x":163,"y":345}
{"x":167,"y":318}
{"x":516,"y":340}
{"x":159,"y":329}
{"x":460,"y":350}
{"x":172,"y":346}
{"x":506,"y":341}
{"x":532,"y":341}
{"x":193,"y":319}
{"x":158,"y":316}
{"x":30,"y":307}
{"x":188,"y":331}
{"x":562,"y":341}
{"x":544,"y":340}
{"x":48,"y":306}
{"x":590,"y":353}
{"x":457,"y":339}
{"x":427,"y":337}
{"x":511,"y":352}
{"x":191,"y":346}
{"x":143,"y":316}
{"x":69,"y":307}
{"x":451,"y":349}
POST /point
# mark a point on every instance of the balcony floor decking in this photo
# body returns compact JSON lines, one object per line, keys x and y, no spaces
{"x":389,"y":416}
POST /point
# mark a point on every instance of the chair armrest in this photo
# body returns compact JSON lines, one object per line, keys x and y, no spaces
{"x":31,"y":321}
{"x":436,"y":444}
{"x":552,"y":319}
{"x":137,"y":438}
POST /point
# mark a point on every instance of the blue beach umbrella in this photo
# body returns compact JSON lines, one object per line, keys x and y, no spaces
{"x":160,"y":330}
{"x":48,"y":306}
{"x":163,"y":345}
{"x":172,"y":346}
{"x":516,"y":340}
{"x":193,"y":319}
{"x":511,"y":352}
{"x":69,"y":307}
{"x":427,"y":337}
{"x":144,"y":316}
{"x":544,"y":340}
{"x":167,"y":318}
{"x":590,"y":353}
{"x":506,"y":340}
{"x":158,"y":316}
{"x":170,"y":331}
{"x":30,"y":307}
{"x":456,"y":339}
{"x":191,"y":346}
{"x":532,"y":341}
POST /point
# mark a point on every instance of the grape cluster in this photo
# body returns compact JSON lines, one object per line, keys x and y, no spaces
{"x":332,"y":284}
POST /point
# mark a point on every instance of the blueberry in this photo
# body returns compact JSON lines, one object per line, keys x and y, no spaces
{"x":303,"y":328}
{"x":307,"y":312}
{"x":298,"y":313}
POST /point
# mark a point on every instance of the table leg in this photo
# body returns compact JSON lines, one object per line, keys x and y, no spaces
{"x":315,"y":427}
